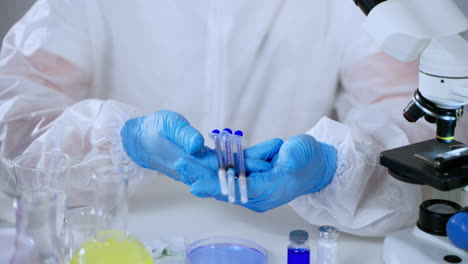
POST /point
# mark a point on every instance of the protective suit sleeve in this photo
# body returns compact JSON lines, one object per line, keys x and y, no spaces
{"x":363,"y":199}
{"x":45,"y":76}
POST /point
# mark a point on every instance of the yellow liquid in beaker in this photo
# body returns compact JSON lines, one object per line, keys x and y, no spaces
{"x":112,"y":247}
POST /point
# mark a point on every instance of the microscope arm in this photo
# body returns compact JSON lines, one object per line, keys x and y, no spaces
{"x":403,"y":28}
{"x":429,"y":29}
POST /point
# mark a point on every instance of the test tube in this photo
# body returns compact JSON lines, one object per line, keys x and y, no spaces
{"x":240,"y":160}
{"x":226,"y":136}
{"x":216,"y":137}
{"x":327,"y":246}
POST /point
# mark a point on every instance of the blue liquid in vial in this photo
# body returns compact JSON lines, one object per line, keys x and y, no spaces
{"x":226,"y":254}
{"x":298,"y":256}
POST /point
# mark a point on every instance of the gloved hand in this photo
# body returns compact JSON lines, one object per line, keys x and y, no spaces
{"x":302,"y":166}
{"x":159,"y":140}
{"x":205,"y":163}
{"x":165,"y":139}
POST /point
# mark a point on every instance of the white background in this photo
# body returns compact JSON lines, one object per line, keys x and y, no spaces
{"x":12,"y":10}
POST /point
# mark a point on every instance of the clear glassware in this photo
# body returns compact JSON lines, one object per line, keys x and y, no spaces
{"x":8,"y":239}
{"x":111,"y":199}
{"x":81,"y":226}
{"x":328,"y":246}
{"x":36,"y":170}
{"x":45,"y":170}
{"x":298,"y":249}
{"x":99,"y":234}
{"x":36,"y":219}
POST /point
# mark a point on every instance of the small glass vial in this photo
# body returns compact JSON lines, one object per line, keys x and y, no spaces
{"x":327,"y":246}
{"x":298,"y":250}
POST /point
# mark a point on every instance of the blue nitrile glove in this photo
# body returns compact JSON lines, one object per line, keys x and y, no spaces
{"x":302,"y":166}
{"x":160,"y":141}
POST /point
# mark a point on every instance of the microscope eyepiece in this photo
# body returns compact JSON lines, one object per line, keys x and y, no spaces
{"x":413,"y":112}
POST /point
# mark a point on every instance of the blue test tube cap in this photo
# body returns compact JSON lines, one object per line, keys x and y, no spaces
{"x":215,"y":131}
{"x":228,"y":130}
{"x":239,"y":133}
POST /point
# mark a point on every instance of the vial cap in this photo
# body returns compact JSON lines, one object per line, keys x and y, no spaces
{"x":298,"y":236}
{"x":329,"y":232}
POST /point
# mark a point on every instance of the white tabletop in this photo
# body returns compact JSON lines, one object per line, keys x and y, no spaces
{"x":163,"y":207}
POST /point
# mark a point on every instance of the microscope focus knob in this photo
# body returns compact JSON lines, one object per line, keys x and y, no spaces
{"x":457,"y":229}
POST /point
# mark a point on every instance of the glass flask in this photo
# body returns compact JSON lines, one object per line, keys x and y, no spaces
{"x":98,"y":234}
{"x":36,"y":219}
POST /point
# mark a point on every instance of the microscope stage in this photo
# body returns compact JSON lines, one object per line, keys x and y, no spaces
{"x":403,"y":165}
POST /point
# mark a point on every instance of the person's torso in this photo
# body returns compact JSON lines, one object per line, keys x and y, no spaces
{"x":268,"y":67}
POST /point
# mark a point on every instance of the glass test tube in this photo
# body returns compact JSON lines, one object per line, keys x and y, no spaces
{"x":240,"y":158}
{"x":226,"y":136}
{"x":216,"y":137}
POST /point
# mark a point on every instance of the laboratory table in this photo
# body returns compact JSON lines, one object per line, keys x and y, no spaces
{"x":162,"y":207}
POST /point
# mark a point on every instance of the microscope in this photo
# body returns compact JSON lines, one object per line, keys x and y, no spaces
{"x":431,"y":31}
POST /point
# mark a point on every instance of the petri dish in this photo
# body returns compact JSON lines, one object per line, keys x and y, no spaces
{"x":225,"y":250}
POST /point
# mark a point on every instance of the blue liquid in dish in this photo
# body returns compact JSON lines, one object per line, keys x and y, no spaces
{"x":298,"y":256}
{"x":226,"y":254}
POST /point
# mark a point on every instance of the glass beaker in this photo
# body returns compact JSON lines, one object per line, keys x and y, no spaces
{"x":36,"y":170}
{"x":99,"y":234}
{"x":45,"y":170}
{"x":81,"y":226}
{"x":36,"y":218}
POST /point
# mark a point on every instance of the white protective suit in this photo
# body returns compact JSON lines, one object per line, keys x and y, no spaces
{"x":72,"y":72}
